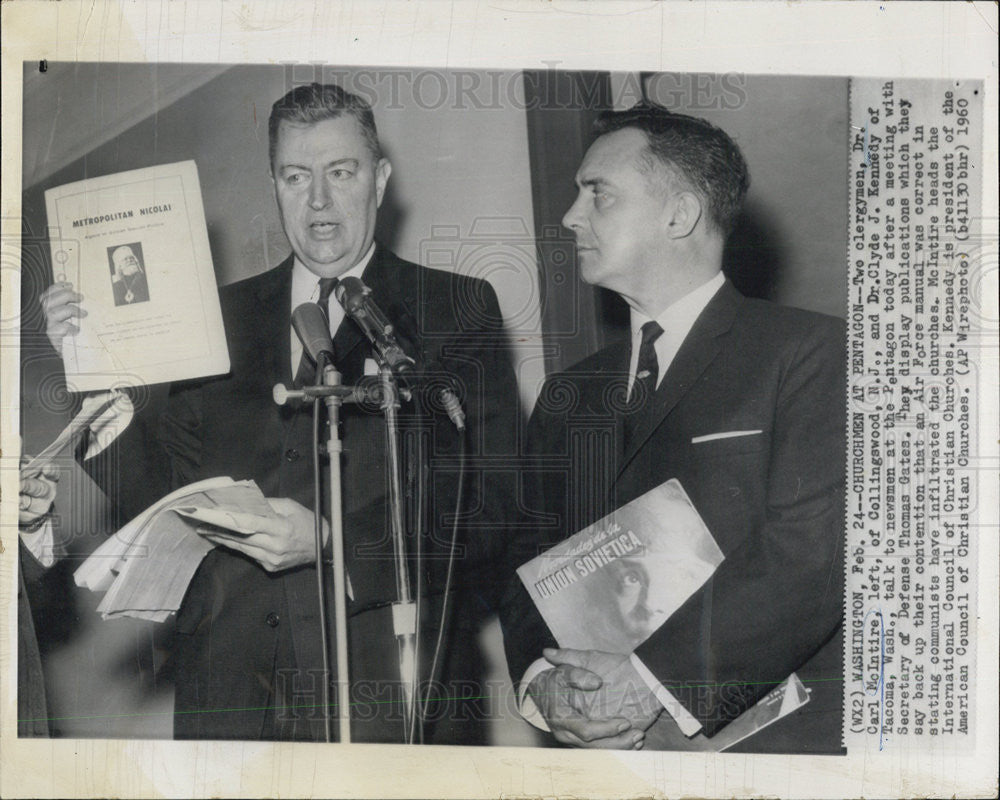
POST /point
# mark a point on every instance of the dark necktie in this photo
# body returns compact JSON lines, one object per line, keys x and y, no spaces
{"x":305,"y":375}
{"x":640,"y":399}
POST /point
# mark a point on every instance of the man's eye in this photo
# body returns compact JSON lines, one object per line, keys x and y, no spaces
{"x":295,"y":178}
{"x":341,"y":174}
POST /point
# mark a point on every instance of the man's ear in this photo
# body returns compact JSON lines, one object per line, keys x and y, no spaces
{"x":684,"y":212}
{"x":383,"y":169}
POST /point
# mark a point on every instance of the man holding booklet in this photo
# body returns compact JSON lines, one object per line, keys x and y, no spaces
{"x":247,"y":648}
{"x":739,"y":405}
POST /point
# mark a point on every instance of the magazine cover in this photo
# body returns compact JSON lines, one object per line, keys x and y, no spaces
{"x":615,"y":582}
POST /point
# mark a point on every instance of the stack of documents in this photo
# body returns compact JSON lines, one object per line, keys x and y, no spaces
{"x":145,"y":568}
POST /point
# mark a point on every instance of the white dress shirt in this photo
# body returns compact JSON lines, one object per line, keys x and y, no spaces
{"x":305,"y":289}
{"x":676,"y":320}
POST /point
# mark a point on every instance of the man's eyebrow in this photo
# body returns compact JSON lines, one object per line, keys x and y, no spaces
{"x":351,"y":162}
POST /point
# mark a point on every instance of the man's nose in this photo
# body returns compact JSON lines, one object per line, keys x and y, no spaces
{"x":571,"y":219}
{"x":319,"y":194}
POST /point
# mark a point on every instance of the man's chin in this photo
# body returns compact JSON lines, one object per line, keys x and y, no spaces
{"x":590,"y":267}
{"x":327,"y":266}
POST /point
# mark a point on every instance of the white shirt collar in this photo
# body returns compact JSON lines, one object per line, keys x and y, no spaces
{"x":677,"y":319}
{"x":305,"y":282}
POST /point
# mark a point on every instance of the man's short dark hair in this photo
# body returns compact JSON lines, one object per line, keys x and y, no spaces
{"x":703,"y":156}
{"x":316,"y":102}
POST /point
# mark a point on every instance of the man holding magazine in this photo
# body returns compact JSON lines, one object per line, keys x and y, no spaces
{"x":738,"y":401}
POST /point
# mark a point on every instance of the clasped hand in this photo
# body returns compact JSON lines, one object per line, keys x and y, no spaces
{"x":282,"y":542}
{"x":594,"y":699}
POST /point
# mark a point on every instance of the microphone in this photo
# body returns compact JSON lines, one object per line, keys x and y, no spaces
{"x":313,"y":330}
{"x":356,"y":298}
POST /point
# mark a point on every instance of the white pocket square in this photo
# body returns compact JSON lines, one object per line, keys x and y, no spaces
{"x":371,"y":366}
{"x":711,"y":437}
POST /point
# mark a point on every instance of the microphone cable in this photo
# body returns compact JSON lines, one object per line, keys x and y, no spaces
{"x":451,"y":566}
{"x":418,"y":705}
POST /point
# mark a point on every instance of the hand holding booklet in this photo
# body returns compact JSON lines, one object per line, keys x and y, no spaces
{"x":145,"y":568}
{"x":135,"y":245}
{"x":612,"y":584}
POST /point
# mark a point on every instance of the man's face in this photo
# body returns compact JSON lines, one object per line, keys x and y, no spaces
{"x":328,"y":187}
{"x":631,"y":584}
{"x":125,"y":261}
{"x":618,"y":216}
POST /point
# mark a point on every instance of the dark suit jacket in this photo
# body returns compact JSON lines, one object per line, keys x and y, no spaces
{"x":32,"y":709}
{"x":774,"y":500}
{"x":247,"y":640}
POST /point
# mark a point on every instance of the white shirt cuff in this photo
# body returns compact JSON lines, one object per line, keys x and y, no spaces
{"x":525,"y":705}
{"x":685,"y":721}
{"x":42,"y":544}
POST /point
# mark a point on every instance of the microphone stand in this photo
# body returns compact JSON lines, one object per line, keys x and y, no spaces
{"x":333,"y":401}
{"x":333,"y":395}
{"x":404,"y":612}
{"x":404,"y":616}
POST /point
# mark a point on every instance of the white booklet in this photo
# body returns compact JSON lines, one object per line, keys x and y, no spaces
{"x":135,"y":245}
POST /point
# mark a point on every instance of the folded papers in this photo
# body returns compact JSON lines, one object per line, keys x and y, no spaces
{"x":146,"y":567}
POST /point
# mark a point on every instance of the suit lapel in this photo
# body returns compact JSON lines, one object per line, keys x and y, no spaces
{"x":606,"y":391}
{"x":700,"y":348}
{"x":273,"y":320}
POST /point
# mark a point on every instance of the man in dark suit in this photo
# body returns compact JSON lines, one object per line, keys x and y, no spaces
{"x":247,"y":651}
{"x":741,"y":401}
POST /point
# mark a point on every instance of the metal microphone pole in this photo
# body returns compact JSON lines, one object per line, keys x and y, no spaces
{"x":334,"y":448}
{"x":333,"y":395}
{"x":311,"y":324}
{"x":404,"y":612}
